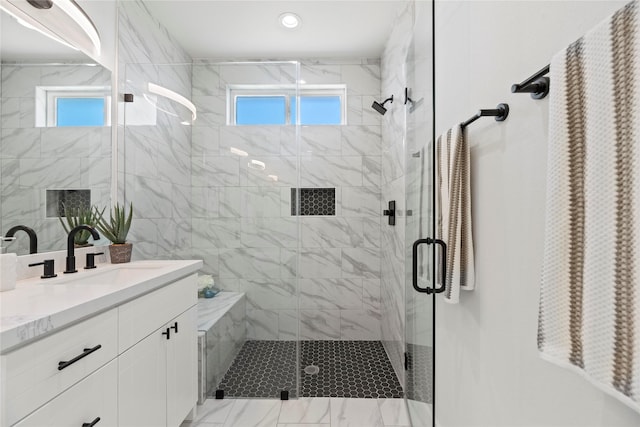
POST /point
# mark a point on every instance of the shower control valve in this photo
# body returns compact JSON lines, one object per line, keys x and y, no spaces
{"x":391,"y":212}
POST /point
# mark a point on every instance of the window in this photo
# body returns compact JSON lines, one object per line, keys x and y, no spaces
{"x":277,"y":105}
{"x":318,"y":110}
{"x":261,"y":110}
{"x":58,"y":106}
{"x":79,"y":111}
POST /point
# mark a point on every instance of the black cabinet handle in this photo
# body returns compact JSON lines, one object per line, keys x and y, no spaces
{"x":175,"y":327}
{"x":86,"y":352}
{"x":429,"y":241}
{"x":167,"y":333}
{"x":92,"y":423}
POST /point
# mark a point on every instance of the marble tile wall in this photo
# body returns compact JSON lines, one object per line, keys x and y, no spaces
{"x":154,"y":164}
{"x":34,"y":159}
{"x":242,"y":223}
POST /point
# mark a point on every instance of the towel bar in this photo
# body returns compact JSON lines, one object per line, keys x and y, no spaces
{"x":537,"y":85}
{"x":500,"y":113}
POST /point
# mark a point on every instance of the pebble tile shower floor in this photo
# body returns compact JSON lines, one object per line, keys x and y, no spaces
{"x":346,"y":369}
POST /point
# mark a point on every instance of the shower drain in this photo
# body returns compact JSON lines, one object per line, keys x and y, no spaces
{"x":311,"y":370}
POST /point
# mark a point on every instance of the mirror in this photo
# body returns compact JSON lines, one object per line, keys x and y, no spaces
{"x":51,"y":151}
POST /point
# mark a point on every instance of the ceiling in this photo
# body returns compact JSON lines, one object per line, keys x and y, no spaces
{"x":242,"y":29}
{"x":250,"y":29}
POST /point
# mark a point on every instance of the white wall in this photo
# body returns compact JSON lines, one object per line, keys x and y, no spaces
{"x":487,"y":364}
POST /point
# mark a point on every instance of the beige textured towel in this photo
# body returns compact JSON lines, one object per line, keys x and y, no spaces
{"x":589,"y":315}
{"x":454,"y":211}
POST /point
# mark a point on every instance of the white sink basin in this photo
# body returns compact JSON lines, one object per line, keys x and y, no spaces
{"x":108,"y":274}
{"x":118,"y":275}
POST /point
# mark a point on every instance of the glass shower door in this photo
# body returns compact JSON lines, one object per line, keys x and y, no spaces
{"x":422,"y":250}
{"x":207,"y":186}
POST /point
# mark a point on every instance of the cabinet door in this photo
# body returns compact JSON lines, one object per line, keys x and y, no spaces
{"x":142,"y":384}
{"x":182,"y":370}
{"x":92,"y":400}
{"x":32,"y":376}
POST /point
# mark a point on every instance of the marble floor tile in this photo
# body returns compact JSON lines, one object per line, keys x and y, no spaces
{"x":305,"y":410}
{"x":394,"y":412}
{"x":214,"y":411}
{"x":308,"y":412}
{"x":421,"y":415}
{"x":254,"y":413}
{"x":355,"y":413}
{"x":304,"y":425}
{"x":200,"y":424}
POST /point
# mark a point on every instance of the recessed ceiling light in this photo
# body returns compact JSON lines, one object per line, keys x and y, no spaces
{"x":290,"y":20}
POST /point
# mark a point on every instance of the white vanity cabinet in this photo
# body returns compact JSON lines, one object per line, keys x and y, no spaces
{"x":38,"y":372}
{"x":133,"y":364}
{"x":158,"y":367}
{"x":91,"y":402}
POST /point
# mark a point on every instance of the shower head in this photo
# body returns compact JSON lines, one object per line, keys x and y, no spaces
{"x":380,"y":107}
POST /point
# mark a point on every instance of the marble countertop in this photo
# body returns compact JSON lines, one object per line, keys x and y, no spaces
{"x":37,"y":307}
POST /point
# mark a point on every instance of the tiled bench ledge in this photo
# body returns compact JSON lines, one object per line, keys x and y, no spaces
{"x":221,"y":334}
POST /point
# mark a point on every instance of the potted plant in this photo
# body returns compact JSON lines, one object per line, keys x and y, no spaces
{"x":116,"y":230}
{"x":74,"y":217}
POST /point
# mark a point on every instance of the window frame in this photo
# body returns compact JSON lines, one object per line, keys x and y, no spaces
{"x":47,"y":96}
{"x":288,"y":92}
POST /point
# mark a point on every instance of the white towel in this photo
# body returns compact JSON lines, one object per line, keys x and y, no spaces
{"x":454,"y":211}
{"x":589,"y":315}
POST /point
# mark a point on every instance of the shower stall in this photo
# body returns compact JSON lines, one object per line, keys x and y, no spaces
{"x":288,"y":212}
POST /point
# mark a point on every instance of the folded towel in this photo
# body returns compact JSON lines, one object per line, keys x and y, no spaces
{"x":454,"y":211}
{"x":589,"y":316}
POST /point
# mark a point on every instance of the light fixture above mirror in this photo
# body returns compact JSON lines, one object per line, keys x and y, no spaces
{"x":62,"y":20}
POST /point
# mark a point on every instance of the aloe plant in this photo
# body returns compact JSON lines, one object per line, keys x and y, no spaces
{"x":117,"y":228}
{"x":74,"y":217}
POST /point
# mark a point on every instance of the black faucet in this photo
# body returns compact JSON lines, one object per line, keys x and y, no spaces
{"x":71,"y":259}
{"x":33,"y":239}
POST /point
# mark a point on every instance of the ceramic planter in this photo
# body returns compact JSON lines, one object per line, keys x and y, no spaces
{"x":120,"y":253}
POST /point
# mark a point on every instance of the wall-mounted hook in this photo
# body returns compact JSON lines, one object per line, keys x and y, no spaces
{"x":406,"y":96}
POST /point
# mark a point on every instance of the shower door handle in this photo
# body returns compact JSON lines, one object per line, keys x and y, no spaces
{"x":429,"y":241}
{"x":443,"y":266}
